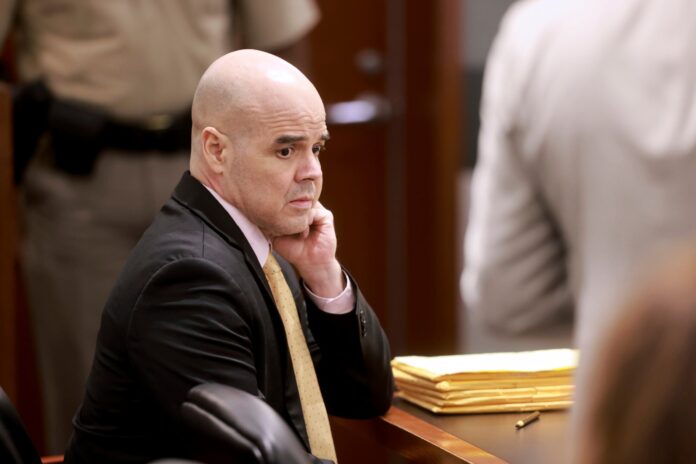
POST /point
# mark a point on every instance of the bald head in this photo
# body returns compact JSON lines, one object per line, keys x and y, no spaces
{"x":258,"y":128}
{"x":240,"y":86}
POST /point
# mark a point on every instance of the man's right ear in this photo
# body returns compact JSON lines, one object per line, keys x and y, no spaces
{"x":215,"y":148}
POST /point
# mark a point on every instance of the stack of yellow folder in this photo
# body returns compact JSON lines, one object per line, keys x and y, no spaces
{"x":489,"y":382}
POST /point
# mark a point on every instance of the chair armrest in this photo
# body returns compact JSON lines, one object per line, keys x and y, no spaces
{"x":240,"y":427}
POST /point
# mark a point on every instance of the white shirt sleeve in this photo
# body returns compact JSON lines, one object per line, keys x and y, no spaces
{"x":341,"y":304}
{"x":514,"y":276}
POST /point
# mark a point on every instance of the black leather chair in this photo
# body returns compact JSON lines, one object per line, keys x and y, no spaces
{"x":15,"y":445}
{"x":232,"y":426}
{"x":227,"y":426}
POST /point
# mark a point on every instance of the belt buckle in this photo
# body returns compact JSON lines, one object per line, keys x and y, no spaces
{"x":158,"y":122}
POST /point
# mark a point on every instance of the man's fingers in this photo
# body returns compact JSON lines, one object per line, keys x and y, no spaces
{"x":321,"y":215}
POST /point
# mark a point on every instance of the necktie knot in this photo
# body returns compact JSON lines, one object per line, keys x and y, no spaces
{"x":271,"y":267}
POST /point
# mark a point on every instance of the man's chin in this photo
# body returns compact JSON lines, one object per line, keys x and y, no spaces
{"x":290,"y":228}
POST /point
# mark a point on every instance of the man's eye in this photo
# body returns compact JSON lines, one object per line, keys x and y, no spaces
{"x":285,"y":152}
{"x":316,"y":149}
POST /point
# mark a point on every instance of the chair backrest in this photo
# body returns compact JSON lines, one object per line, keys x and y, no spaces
{"x":15,"y":445}
{"x":234,"y":426}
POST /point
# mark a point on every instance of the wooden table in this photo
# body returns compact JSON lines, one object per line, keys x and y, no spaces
{"x":410,"y":434}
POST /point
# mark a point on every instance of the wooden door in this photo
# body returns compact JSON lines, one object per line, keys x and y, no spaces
{"x":390,"y":179}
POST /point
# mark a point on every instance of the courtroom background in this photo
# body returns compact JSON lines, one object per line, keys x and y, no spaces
{"x":401,"y":80}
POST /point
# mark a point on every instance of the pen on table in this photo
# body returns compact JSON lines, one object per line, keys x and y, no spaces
{"x":527,"y":420}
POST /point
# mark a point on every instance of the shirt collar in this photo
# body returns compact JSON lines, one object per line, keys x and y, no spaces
{"x":258,"y":241}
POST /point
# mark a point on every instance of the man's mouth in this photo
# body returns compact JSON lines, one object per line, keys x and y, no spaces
{"x":302,"y":202}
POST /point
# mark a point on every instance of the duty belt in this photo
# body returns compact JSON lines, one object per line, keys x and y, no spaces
{"x":80,"y":132}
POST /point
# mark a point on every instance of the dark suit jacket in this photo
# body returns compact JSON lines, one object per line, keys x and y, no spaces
{"x":191,"y":306}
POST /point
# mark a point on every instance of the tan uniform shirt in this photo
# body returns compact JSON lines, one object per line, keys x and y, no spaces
{"x":139,"y":58}
{"x":134,"y":59}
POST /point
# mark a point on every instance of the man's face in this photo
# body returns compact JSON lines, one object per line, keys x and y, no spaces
{"x":273,"y":175}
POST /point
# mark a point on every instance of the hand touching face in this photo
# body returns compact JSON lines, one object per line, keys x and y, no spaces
{"x":313,"y":253}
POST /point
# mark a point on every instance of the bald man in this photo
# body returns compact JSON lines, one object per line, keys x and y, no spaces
{"x":193,"y":304}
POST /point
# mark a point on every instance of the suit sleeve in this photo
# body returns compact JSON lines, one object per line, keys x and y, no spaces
{"x":189,"y":327}
{"x":515,"y":275}
{"x":352,"y":359}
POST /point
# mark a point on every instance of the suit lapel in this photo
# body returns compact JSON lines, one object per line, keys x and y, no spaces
{"x":193,"y":195}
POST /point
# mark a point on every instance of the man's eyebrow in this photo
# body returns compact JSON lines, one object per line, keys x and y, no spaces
{"x":285,"y":139}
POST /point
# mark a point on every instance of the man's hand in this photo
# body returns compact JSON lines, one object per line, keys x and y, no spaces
{"x":313,"y":253}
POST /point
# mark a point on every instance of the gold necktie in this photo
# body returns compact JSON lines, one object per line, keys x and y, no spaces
{"x":313,"y":409}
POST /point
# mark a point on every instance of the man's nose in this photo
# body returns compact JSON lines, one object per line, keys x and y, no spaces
{"x":310,"y":167}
